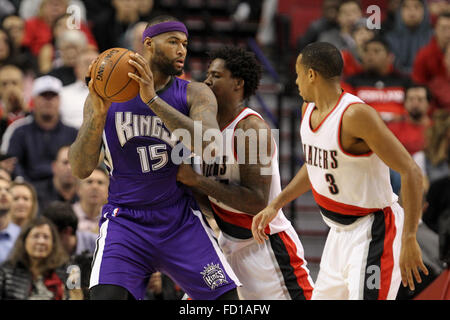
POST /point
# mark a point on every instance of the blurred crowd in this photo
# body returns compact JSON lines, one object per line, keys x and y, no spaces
{"x":49,"y":218}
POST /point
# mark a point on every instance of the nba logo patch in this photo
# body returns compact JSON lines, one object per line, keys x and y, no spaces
{"x":115,"y":212}
{"x":214,"y":276}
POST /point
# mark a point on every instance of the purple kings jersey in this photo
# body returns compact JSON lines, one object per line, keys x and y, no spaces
{"x":138,"y":151}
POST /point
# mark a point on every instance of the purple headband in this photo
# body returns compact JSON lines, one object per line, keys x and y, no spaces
{"x":164,"y":27}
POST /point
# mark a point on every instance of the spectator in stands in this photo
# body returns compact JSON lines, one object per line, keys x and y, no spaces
{"x":437,"y":146}
{"x":36,"y":269}
{"x":429,"y":61}
{"x":133,"y":37}
{"x":94,"y":7}
{"x":38,"y":29}
{"x":12,"y":101}
{"x":52,"y":55}
{"x":411,"y":128}
{"x":391,"y":13}
{"x":30,"y":8}
{"x":69,"y":44}
{"x":36,"y":139}
{"x":379,"y":85}
{"x":411,"y":32}
{"x":7,"y":165}
{"x":23,"y":58}
{"x":349,"y":12}
{"x":437,"y":7}
{"x":9,"y":231}
{"x":6,"y":48}
{"x":74,"y":95}
{"x":110,"y":27}
{"x":325,"y":23}
{"x":6,"y":8}
{"x":63,"y":186}
{"x":353,"y":57}
{"x":4,"y":173}
{"x":74,"y":240}
{"x":148,"y":10}
{"x":440,"y":84}
{"x":24,"y":204}
{"x":79,"y":245}
{"x":92,"y":194}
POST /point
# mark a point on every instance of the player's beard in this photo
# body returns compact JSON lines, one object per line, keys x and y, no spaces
{"x":164,"y":64}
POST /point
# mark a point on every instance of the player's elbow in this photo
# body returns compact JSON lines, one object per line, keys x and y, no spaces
{"x":412,"y":172}
{"x":80,"y":172}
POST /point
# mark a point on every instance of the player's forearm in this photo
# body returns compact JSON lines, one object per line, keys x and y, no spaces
{"x":238,"y":197}
{"x":84,"y":153}
{"x":412,"y":191}
{"x":299,"y":185}
{"x":173,"y":120}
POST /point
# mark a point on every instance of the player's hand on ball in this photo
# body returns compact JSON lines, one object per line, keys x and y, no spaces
{"x":144,"y":77}
{"x":260,"y":222}
{"x":186,"y":175}
{"x":98,"y":103}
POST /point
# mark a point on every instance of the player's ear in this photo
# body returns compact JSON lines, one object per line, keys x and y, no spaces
{"x":312,"y":74}
{"x":239,"y":83}
{"x":148,"y":43}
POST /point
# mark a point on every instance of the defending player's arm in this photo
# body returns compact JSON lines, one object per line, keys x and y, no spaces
{"x":363,"y":122}
{"x":84,"y":153}
{"x":201,"y":100}
{"x":252,"y":194}
{"x":299,"y":185}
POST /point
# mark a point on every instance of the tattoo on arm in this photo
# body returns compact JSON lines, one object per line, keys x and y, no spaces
{"x":84,"y":153}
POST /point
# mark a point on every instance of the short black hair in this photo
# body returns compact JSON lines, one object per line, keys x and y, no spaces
{"x":379,"y":39}
{"x":445,"y":14}
{"x":62,"y":215}
{"x":161,"y":19}
{"x":324,"y":58}
{"x":418,"y":85}
{"x":242,"y":64}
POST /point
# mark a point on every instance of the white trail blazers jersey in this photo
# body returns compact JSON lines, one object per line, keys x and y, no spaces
{"x":232,"y":221}
{"x":345,"y":186}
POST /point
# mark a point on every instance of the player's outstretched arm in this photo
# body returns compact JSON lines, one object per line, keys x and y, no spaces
{"x":363,"y":122}
{"x":298,"y":186}
{"x":84,"y":153}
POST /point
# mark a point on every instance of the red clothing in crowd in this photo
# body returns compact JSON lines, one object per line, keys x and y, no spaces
{"x":411,"y":135}
{"x":385,"y":93}
{"x":429,"y":63}
{"x":351,"y":65}
{"x":38,"y":33}
{"x":440,"y":90}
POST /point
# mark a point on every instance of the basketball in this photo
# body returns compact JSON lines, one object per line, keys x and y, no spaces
{"x":110,"y":75}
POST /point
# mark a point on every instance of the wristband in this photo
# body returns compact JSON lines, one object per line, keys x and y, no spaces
{"x":152,"y":100}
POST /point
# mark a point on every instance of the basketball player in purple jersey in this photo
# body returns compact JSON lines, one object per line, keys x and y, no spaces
{"x":151,"y":223}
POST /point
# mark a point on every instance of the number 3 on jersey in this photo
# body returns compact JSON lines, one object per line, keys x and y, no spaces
{"x":333,"y":187}
{"x":155,"y":152}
